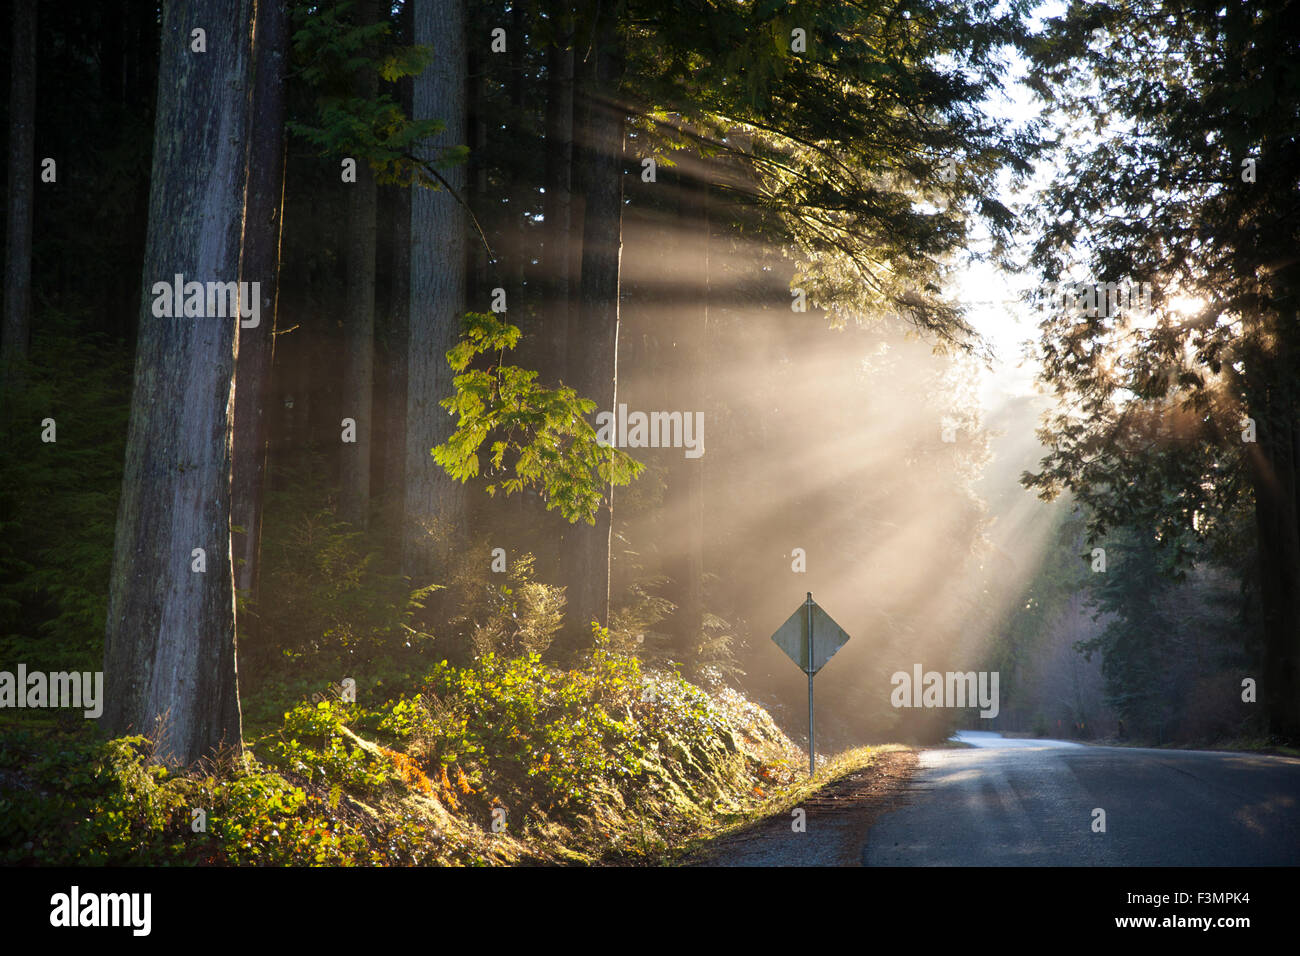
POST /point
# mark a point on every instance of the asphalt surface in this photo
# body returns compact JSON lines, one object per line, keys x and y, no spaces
{"x":1029,"y":802}
{"x":1017,"y":802}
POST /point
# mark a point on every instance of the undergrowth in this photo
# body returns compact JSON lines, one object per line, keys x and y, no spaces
{"x":508,"y":760}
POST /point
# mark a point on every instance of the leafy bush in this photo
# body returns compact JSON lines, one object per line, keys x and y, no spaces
{"x":77,"y":801}
{"x":88,"y":804}
{"x":517,"y":726}
{"x":312,"y":745}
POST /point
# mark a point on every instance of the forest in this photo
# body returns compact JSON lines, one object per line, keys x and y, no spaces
{"x":421,"y":415}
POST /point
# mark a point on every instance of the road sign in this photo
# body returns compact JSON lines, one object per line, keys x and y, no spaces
{"x":810,"y":638}
{"x":793,"y":636}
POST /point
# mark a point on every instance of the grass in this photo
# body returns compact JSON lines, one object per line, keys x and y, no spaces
{"x":785,"y":798}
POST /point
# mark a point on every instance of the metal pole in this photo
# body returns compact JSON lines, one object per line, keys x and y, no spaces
{"x":811,"y":768}
{"x":808,"y":611}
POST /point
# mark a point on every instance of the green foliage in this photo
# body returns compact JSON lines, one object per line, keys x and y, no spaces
{"x":632,"y":624}
{"x":1160,"y":106}
{"x":339,"y":611}
{"x":333,"y":48}
{"x":1149,"y":429}
{"x":85,"y":802}
{"x":553,"y":741}
{"x":558,"y":747}
{"x":263,"y":820}
{"x":520,"y":726}
{"x":1136,"y":643}
{"x":1170,"y":643}
{"x":550,"y":444}
{"x":1061,"y":573}
{"x":312,"y":745}
{"x":848,"y":142}
{"x":92,"y":804}
{"x":335,"y":57}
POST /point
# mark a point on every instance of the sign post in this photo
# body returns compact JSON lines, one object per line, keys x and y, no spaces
{"x":810,"y":638}
{"x":808,"y":606}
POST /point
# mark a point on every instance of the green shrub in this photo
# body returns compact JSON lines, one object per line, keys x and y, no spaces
{"x":312,"y":745}
{"x":86,"y":803}
{"x":518,"y":726}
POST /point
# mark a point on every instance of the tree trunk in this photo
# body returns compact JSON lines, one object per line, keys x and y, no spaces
{"x":1273,"y":461}
{"x":435,"y":504}
{"x":557,"y":201}
{"x":394,"y":338}
{"x":263,"y":223}
{"x":395,"y":335}
{"x":359,"y":321}
{"x":22,"y":172}
{"x":684,"y":496}
{"x":517,"y":266}
{"x":593,"y":327}
{"x":545,"y":330}
{"x":169,"y":656}
{"x":476,"y":168}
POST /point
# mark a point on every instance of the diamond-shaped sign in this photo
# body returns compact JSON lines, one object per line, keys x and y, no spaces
{"x":827,"y":637}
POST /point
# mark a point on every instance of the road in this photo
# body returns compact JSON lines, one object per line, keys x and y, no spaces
{"x":1029,"y":802}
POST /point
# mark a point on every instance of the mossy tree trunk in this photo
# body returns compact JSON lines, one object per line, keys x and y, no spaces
{"x":169,"y":656}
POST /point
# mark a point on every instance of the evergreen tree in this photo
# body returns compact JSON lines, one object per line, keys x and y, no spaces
{"x":1180,"y":169}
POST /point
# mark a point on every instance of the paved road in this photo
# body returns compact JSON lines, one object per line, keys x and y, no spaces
{"x":1009,"y":802}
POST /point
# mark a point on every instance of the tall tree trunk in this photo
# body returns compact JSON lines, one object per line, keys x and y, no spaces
{"x":684,"y":496}
{"x":545,"y":331}
{"x":359,"y":322}
{"x":1274,"y":468}
{"x":397,"y":331}
{"x":169,"y":655}
{"x":263,"y":224}
{"x":517,"y":265}
{"x":476,"y":168}
{"x":557,"y":201}
{"x":393,"y":338}
{"x":22,"y":172}
{"x":593,"y":326}
{"x":435,"y":504}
